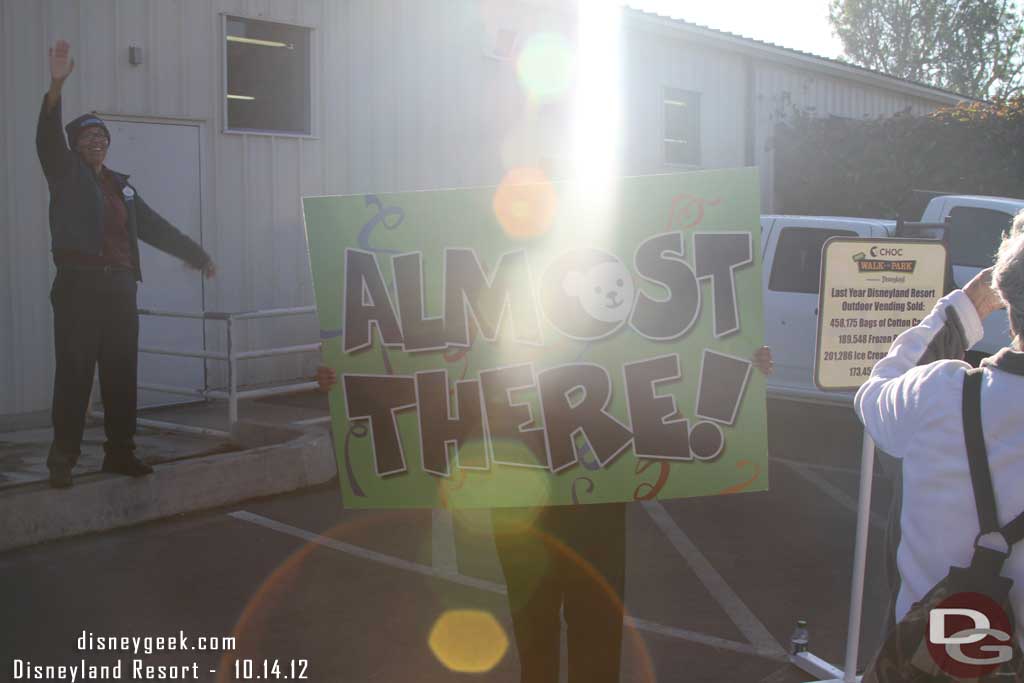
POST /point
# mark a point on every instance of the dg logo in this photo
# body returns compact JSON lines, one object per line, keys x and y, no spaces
{"x":969,"y":635}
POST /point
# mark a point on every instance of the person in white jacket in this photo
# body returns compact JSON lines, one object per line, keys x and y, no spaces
{"x":911,"y":407}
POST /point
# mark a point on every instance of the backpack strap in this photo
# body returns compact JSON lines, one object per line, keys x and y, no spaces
{"x":977,"y":456}
{"x":977,"y":460}
{"x":1014,"y":531}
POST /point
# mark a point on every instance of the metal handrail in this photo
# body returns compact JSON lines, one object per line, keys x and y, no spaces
{"x":273,"y":313}
{"x":232,"y":394}
{"x":281,"y":350}
{"x":211,"y":355}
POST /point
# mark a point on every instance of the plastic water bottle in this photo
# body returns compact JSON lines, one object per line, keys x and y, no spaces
{"x":798,"y":641}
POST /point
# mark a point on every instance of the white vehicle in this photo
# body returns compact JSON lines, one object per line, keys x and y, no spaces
{"x":976,"y":225}
{"x":791,"y":261}
{"x":791,"y":257}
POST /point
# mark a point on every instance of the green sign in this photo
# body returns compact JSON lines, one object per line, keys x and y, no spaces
{"x":544,"y":344}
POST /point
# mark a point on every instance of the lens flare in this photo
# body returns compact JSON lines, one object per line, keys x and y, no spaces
{"x":472,"y":522}
{"x":559,"y":557}
{"x":532,"y":488}
{"x":525,"y":203}
{"x":545,"y":66}
{"x":468,"y":641}
{"x":476,"y":520}
{"x":294,"y":592}
{"x":516,"y":520}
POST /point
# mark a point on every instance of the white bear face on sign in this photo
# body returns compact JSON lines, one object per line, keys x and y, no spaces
{"x":587,"y":293}
{"x":604,"y":290}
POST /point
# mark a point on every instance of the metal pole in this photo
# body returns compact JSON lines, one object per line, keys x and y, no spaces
{"x":178,"y":352}
{"x":232,"y":378}
{"x":860,"y":552}
{"x":171,"y":314}
{"x":170,"y":389}
{"x":278,"y":351}
{"x":312,"y":421}
{"x":278,"y":391}
{"x":274,"y":312}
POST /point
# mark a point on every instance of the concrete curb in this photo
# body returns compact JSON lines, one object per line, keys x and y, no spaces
{"x":296,"y":459}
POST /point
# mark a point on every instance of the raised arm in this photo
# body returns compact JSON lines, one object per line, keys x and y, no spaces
{"x":61,"y":66}
{"x":51,"y":146}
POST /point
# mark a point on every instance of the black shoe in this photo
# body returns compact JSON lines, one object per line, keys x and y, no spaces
{"x":126,"y":464}
{"x":60,"y":478}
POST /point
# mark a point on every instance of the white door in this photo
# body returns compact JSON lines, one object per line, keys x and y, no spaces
{"x":163,"y":161}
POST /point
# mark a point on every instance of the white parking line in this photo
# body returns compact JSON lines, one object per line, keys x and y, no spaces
{"x":713,"y":641}
{"x":829,"y":489}
{"x":364,"y":553}
{"x":829,"y":468}
{"x":489,"y":586}
{"x":442,"y":542}
{"x":738,"y":612}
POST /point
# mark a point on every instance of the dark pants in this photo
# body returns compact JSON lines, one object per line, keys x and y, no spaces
{"x":95,"y":321}
{"x":572,"y":557}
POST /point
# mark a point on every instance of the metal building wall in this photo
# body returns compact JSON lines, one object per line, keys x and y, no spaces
{"x":655,"y":62}
{"x":744,"y":86}
{"x":780,"y":88}
{"x":250,"y":183}
{"x":403,"y":99}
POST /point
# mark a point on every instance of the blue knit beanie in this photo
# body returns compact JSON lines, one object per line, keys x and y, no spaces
{"x":75,"y":128}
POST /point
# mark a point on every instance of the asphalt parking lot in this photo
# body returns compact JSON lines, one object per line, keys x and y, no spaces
{"x":714,"y":585}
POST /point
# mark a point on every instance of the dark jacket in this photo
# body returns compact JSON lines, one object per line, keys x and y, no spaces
{"x":76,"y":203}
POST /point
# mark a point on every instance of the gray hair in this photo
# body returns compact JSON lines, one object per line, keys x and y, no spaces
{"x":1008,"y":276}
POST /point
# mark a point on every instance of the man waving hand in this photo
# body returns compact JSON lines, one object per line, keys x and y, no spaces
{"x":96,"y":221}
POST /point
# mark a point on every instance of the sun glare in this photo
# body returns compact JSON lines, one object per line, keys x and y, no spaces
{"x":596,"y":122}
{"x":597,"y":117}
{"x":545,"y":66}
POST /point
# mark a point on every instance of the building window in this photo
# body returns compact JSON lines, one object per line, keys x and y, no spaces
{"x":797,"y":266}
{"x":267,"y":76}
{"x":682,"y":127}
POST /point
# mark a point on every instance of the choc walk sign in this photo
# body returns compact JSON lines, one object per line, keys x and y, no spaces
{"x":871,"y":291}
{"x":530,"y":345}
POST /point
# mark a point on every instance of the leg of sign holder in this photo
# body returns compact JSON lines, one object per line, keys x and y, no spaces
{"x":816,"y":666}
{"x":805,"y":660}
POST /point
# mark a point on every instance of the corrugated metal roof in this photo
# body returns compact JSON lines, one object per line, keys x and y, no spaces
{"x":808,"y":59}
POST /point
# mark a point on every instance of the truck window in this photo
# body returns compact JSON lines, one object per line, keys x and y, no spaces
{"x":797,"y":264}
{"x":975,"y":235}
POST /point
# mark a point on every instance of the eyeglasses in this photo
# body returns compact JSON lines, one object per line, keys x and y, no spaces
{"x":98,"y":136}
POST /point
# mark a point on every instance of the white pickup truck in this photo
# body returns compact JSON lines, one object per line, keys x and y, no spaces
{"x":791,"y":257}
